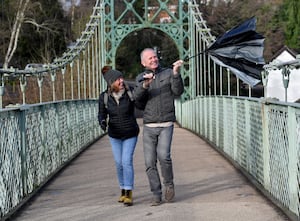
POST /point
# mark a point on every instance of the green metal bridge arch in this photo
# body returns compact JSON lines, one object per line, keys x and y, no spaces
{"x":110,"y":22}
{"x":122,"y":34}
{"x":167,"y":44}
{"x":168,"y":16}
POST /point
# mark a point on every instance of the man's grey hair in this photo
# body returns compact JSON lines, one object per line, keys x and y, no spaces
{"x":143,"y":52}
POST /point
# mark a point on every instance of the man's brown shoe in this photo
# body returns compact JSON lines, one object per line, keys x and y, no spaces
{"x":156,"y":201}
{"x":169,"y":193}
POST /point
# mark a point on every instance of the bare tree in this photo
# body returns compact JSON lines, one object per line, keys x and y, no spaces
{"x":25,"y":14}
{"x":16,"y":31}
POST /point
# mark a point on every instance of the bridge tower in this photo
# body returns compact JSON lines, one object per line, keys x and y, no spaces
{"x":121,"y":18}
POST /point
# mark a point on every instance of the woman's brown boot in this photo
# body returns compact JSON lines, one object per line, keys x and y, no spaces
{"x":122,"y":197}
{"x":128,"y":198}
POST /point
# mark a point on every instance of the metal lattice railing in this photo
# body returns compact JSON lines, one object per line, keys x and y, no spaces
{"x":37,"y":140}
{"x":76,"y":74}
{"x":262,"y":138}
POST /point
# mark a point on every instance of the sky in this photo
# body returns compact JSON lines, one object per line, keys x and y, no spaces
{"x":68,"y":3}
{"x":275,"y":88}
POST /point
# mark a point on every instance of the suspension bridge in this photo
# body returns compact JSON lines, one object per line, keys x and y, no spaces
{"x":60,"y":140}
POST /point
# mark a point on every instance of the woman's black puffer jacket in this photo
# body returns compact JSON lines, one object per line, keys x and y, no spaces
{"x":122,"y":122}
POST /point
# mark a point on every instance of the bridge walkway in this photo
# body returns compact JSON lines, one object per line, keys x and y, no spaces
{"x":208,"y":188}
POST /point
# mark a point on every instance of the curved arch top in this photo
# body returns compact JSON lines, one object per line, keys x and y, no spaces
{"x":122,"y":18}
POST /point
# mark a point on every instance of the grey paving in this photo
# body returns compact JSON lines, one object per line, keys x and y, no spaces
{"x":208,"y":188}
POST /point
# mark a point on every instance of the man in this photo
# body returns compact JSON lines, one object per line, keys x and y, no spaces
{"x":156,"y":89}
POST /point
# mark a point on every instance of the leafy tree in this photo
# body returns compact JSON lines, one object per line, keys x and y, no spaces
{"x":223,"y":15}
{"x":290,"y":14}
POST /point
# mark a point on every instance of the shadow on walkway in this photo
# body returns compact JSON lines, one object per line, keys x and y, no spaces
{"x":207,"y":188}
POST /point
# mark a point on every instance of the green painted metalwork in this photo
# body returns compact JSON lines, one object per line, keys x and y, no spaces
{"x":180,"y":20}
{"x":169,"y":16}
{"x":261,"y":138}
{"x":118,"y":26}
{"x":38,"y":140}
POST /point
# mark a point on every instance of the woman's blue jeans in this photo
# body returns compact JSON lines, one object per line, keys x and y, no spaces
{"x":123,"y":151}
{"x":157,"y":146}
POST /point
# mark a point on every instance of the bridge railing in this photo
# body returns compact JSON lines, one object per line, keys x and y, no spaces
{"x":260,"y":137}
{"x":37,"y":141}
{"x":76,"y":74}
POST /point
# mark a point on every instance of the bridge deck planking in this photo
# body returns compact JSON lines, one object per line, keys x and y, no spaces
{"x":207,"y":188}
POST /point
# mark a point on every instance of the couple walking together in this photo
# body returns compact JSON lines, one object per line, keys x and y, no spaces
{"x":154,"y":93}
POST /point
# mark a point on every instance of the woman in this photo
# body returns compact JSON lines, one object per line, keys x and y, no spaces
{"x":117,"y":105}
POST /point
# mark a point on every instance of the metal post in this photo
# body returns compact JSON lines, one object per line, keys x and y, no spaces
{"x":205,"y":58}
{"x":40,"y":84}
{"x":84,"y":74}
{"x":264,"y":75}
{"x":89,"y":69}
{"x":94,"y":47}
{"x":237,"y":87}
{"x":53,"y":77}
{"x":209,"y":77}
{"x":63,"y":71}
{"x":24,"y":148}
{"x":249,"y":90}
{"x":228,"y":82}
{"x":23,"y":84}
{"x":98,"y":51}
{"x":1,"y":90}
{"x":286,"y":79}
{"x":78,"y":77}
{"x":215,"y":79}
{"x":72,"y":79}
{"x":201,"y":73}
{"x":221,"y":80}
